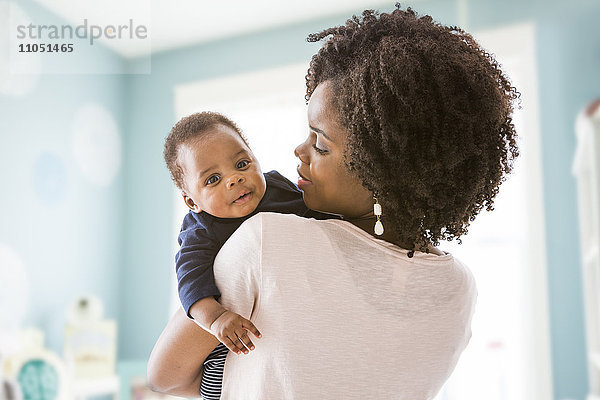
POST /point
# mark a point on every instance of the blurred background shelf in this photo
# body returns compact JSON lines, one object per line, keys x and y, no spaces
{"x":83,"y":389}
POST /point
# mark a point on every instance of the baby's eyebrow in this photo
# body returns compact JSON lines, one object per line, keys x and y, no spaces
{"x":240,"y":152}
{"x":206,"y":170}
{"x":214,"y":166}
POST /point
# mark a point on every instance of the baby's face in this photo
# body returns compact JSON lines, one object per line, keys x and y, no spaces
{"x":220,"y":174}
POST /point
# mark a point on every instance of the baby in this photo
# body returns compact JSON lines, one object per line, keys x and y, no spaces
{"x":222,"y":184}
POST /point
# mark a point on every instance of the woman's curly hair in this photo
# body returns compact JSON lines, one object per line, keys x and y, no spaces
{"x":429,"y":119}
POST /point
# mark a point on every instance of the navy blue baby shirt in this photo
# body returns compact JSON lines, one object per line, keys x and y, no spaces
{"x":202,"y":236}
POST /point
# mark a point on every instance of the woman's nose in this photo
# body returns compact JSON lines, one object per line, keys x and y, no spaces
{"x":299,"y":152}
{"x":234,"y":180}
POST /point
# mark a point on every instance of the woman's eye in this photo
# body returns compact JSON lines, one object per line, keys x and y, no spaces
{"x":212,"y":179}
{"x":318,"y":150}
{"x":243,"y":164}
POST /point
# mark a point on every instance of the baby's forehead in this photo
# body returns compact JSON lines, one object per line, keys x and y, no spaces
{"x":215,"y":146}
{"x":218,"y":141}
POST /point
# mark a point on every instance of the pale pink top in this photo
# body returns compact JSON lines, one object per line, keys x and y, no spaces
{"x":343,"y":315}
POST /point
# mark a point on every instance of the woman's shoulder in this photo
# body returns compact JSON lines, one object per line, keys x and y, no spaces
{"x":314,"y":241}
{"x":281,"y":227}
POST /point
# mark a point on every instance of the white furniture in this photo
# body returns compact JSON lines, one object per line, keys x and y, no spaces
{"x":38,"y":373}
{"x":91,"y":349}
{"x":586,"y":168}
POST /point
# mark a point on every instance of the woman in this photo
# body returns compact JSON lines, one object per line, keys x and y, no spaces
{"x":406,"y":115}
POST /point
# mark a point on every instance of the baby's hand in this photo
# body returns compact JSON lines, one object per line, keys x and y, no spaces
{"x":231,"y":329}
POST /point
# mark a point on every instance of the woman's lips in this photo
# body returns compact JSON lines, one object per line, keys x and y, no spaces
{"x":302,"y":181}
{"x":246,"y":197}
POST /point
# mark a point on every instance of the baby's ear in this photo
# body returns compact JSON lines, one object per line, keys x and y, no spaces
{"x":190,"y":203}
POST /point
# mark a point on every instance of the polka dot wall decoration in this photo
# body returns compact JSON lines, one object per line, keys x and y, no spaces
{"x":50,"y":179}
{"x":96,"y":144}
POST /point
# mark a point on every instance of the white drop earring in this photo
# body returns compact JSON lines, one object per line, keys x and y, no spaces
{"x":377,"y":211}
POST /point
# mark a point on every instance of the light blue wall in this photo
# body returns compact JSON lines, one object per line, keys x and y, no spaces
{"x":67,"y":233}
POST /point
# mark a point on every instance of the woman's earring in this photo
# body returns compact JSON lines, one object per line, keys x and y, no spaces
{"x":377,"y":211}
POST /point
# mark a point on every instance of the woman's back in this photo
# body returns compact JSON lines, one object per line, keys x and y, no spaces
{"x":343,"y":315}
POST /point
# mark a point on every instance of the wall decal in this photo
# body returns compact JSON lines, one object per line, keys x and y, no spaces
{"x":96,"y":144}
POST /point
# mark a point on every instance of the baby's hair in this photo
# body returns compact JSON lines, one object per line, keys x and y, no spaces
{"x":429,"y":119}
{"x":191,"y":127}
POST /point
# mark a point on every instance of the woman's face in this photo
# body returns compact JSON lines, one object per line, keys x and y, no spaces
{"x":325,"y":182}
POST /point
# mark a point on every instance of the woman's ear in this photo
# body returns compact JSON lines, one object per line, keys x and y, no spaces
{"x":190,"y":203}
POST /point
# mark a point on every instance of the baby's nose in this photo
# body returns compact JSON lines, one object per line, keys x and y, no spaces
{"x":235,"y":180}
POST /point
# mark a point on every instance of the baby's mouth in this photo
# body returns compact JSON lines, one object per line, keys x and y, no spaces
{"x":244,"y":198}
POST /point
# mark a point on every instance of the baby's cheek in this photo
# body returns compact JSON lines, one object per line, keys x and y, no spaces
{"x":222,"y":211}
{"x":216,"y":206}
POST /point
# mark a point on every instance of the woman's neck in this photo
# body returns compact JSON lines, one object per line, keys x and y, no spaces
{"x":367,"y":224}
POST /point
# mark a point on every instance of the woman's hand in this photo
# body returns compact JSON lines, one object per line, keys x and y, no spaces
{"x":232,"y":330}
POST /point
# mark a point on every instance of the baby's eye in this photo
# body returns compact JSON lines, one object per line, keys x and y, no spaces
{"x":213,"y":179}
{"x":242,"y":164}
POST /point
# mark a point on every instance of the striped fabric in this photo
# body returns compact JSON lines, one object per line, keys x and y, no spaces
{"x":212,"y":377}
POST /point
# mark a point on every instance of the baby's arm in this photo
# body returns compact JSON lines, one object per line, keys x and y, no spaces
{"x":197,"y":287}
{"x":230,"y":328}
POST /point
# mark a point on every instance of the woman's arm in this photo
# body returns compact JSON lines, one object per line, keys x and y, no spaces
{"x":176,"y":363}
